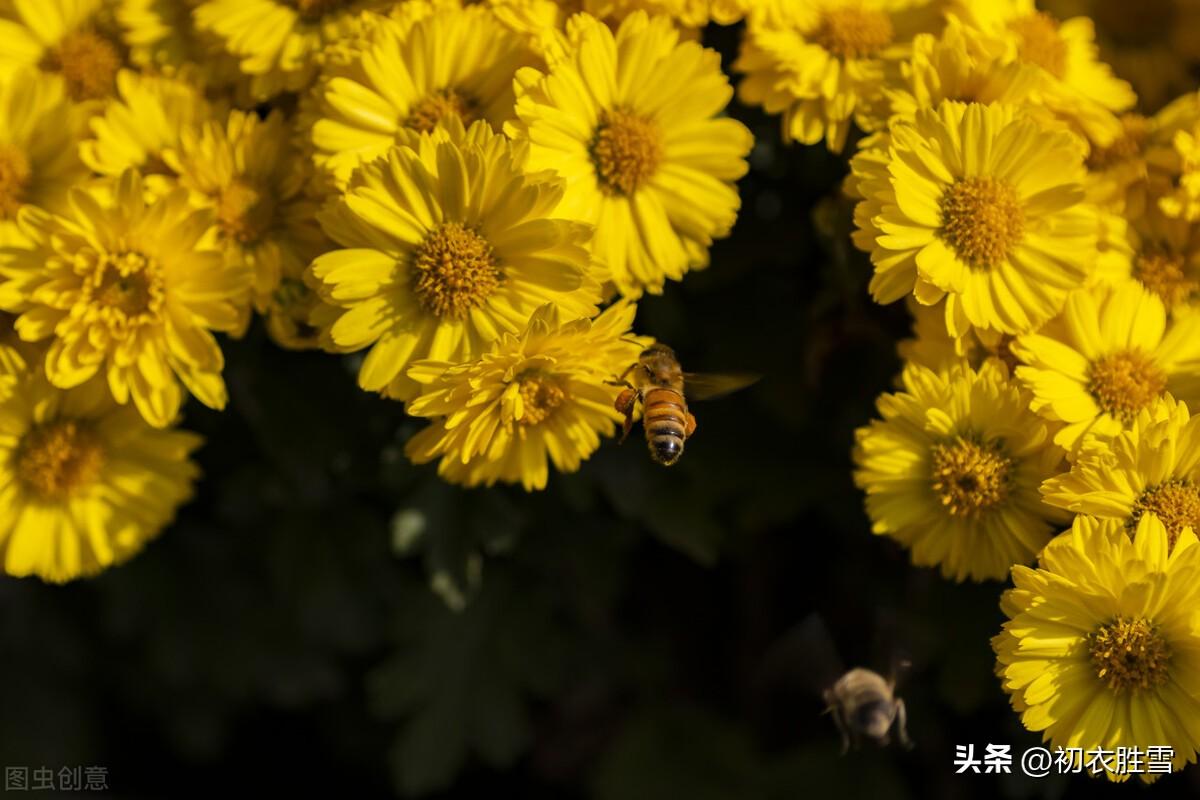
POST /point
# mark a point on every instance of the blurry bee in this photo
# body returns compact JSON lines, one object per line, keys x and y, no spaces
{"x":862,"y":702}
{"x":657,"y":382}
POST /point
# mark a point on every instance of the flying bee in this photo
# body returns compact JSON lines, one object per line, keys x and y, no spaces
{"x":657,"y":382}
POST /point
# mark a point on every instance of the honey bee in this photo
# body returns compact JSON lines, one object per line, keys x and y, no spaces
{"x":657,"y":382}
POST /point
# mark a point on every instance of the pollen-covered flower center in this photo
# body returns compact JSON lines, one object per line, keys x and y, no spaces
{"x":125,"y":288}
{"x":1176,"y":502}
{"x":88,"y":63}
{"x":969,"y":477}
{"x":1040,"y":42}
{"x":540,"y":395}
{"x":982,"y":219}
{"x":1134,"y":130}
{"x":245,"y":212}
{"x":437,"y":106}
{"x":854,"y":32}
{"x":1125,"y":382}
{"x":1165,"y":276}
{"x":315,"y":9}
{"x":1129,"y":653}
{"x":57,"y":458}
{"x":454,"y":271}
{"x":626,"y":151}
{"x":15,"y":174}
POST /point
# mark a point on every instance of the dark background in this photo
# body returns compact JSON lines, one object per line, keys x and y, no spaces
{"x":615,"y":636}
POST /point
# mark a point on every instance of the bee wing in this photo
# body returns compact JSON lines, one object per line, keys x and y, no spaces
{"x":706,"y":386}
{"x":804,"y":659}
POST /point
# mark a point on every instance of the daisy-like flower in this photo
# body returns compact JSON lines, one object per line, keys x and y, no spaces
{"x":145,"y":120}
{"x":1112,"y":354}
{"x":84,"y":483}
{"x":630,"y":121}
{"x":39,"y":140}
{"x":1181,"y":199}
{"x":447,"y":244}
{"x":280,"y":43}
{"x":1152,"y":467}
{"x":408,"y":76}
{"x":932,"y":345}
{"x":952,"y":471}
{"x":1077,"y":85}
{"x":822,"y":63}
{"x":163,"y":40}
{"x":1161,"y":254}
{"x":129,"y":291}
{"x":981,"y":206}
{"x":76,"y":39}
{"x":246,"y":172}
{"x":536,"y":396}
{"x":1101,"y":648}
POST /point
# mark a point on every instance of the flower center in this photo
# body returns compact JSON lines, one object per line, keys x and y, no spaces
{"x":969,"y":477}
{"x":1176,"y":503}
{"x":88,"y":63}
{"x":56,"y":459}
{"x":854,"y":32}
{"x":1134,"y":130}
{"x":433,"y":108}
{"x":1164,"y":275}
{"x":15,"y":174}
{"x":1129,"y":653}
{"x":1125,"y":382}
{"x":244,"y":213}
{"x":455,"y":271}
{"x":626,"y":150}
{"x":126,"y":289}
{"x":981,"y":219}
{"x":1040,"y":42}
{"x":311,"y":10}
{"x":540,"y":395}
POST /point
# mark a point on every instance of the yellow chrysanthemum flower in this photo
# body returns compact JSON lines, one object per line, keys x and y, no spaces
{"x":538,"y":395}
{"x":39,"y":141}
{"x":162,"y":40}
{"x":1112,"y":354}
{"x":1101,"y":648}
{"x":457,"y":62}
{"x":1129,"y":175}
{"x":84,"y":483}
{"x":280,"y":43}
{"x":127,"y":290}
{"x":981,"y":206}
{"x":1076,"y":85}
{"x":1161,"y":254}
{"x":141,"y":124}
{"x":1181,"y":198}
{"x":629,"y":120}
{"x":246,"y":172}
{"x":932,"y":345}
{"x":822,"y":63}
{"x":952,"y":470}
{"x":1153,"y":44}
{"x":448,"y":243}
{"x":1152,"y":467}
{"x":77,"y":39}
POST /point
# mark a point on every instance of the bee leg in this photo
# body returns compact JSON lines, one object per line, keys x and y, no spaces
{"x":624,"y":405}
{"x":902,"y":725}
{"x":690,"y":426}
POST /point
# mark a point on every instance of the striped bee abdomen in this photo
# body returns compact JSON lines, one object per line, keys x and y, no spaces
{"x":665,"y":419}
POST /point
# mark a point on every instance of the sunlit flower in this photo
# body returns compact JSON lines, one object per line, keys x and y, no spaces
{"x":126,"y":290}
{"x":457,"y":62}
{"x":76,"y":39}
{"x":84,"y":483}
{"x":1161,"y":254}
{"x":981,"y":206}
{"x":1154,"y":466}
{"x":246,"y":172}
{"x":822,"y":63}
{"x":630,"y":122}
{"x":163,"y":41}
{"x":952,"y":470}
{"x":1101,"y":649}
{"x":535,"y":397}
{"x":447,"y":244}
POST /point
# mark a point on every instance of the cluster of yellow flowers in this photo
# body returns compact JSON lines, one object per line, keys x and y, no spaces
{"x":1046,"y":238}
{"x":473,"y":194}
